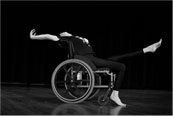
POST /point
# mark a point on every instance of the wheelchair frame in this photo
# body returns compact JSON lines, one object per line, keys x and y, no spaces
{"x":79,"y":73}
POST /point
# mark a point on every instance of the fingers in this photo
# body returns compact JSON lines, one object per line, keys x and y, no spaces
{"x":32,"y":33}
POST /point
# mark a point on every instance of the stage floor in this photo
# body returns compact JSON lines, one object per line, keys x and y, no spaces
{"x":42,"y":101}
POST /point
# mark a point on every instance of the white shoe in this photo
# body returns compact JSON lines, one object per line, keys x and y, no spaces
{"x":114,"y":97}
{"x":152,"y":48}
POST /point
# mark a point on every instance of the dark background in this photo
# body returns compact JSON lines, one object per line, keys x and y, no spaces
{"x":112,"y":27}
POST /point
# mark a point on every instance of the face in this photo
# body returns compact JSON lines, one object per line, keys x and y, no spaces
{"x":65,"y":34}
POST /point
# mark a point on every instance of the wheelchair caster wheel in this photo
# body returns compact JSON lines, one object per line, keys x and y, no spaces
{"x":102,"y":100}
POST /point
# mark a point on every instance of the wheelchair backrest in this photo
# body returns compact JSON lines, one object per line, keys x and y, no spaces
{"x":68,"y":45}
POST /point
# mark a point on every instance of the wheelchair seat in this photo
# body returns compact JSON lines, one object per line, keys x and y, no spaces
{"x":77,"y":78}
{"x":102,"y":69}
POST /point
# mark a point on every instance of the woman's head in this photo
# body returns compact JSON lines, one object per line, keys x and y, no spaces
{"x":63,"y":34}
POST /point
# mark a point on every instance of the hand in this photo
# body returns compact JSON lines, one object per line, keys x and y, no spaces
{"x":32,"y":33}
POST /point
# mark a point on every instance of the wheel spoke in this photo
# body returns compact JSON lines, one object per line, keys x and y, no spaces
{"x":68,"y":75}
{"x":61,"y":82}
{"x":77,"y":81}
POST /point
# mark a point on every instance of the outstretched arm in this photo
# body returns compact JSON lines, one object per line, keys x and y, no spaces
{"x":152,"y":48}
{"x":43,"y":36}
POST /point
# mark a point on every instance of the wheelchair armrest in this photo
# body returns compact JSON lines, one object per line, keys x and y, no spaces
{"x":85,"y":59}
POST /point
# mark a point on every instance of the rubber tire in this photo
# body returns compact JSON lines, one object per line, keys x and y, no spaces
{"x":92,"y":79}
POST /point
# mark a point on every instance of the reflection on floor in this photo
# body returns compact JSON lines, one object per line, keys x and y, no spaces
{"x":42,"y":101}
{"x":85,"y":109}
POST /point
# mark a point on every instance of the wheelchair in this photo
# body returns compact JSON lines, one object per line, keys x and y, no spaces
{"x":77,"y":79}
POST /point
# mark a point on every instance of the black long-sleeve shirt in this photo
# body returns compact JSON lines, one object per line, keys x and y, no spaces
{"x":80,"y":47}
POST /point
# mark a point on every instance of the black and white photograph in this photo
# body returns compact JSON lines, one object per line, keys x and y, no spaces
{"x":86,"y":57}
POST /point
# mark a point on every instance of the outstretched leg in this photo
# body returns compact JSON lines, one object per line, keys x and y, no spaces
{"x":152,"y":48}
{"x":115,"y":94}
{"x":116,"y":58}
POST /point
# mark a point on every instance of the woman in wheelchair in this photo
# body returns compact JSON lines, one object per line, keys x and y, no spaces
{"x":82,"y":47}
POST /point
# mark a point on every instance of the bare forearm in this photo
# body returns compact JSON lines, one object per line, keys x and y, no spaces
{"x":43,"y":36}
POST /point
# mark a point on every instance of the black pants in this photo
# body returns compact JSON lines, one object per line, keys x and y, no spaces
{"x":112,"y":63}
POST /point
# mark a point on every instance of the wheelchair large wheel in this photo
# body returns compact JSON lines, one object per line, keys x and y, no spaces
{"x":73,"y":81}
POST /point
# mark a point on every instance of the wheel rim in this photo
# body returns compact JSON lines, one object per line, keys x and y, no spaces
{"x":72,"y":98}
{"x":95,"y":90}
